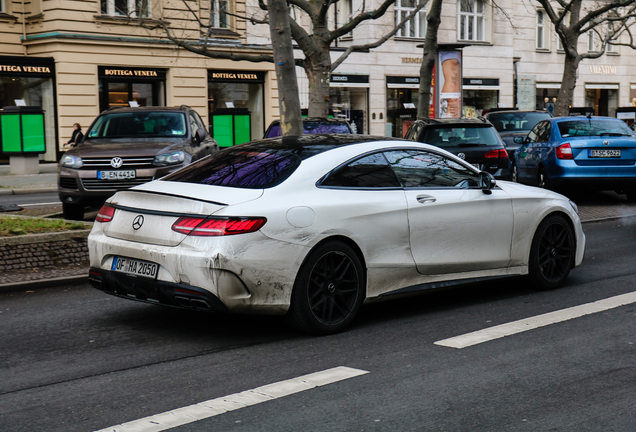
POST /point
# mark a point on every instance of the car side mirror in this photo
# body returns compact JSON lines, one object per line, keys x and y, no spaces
{"x":518,"y":140}
{"x":486,"y":182}
{"x":200,"y":135}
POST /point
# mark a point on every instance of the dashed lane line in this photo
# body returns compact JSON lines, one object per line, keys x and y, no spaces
{"x":214,"y":407}
{"x":531,"y":323}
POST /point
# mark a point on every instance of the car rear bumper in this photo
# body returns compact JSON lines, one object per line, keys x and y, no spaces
{"x":567,"y":173}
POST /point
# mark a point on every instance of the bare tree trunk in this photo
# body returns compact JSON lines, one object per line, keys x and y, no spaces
{"x":318,"y":70}
{"x":428,"y":59}
{"x":566,"y":93}
{"x":289,"y":100}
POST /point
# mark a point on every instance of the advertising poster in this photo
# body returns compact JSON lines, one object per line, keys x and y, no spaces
{"x":449,"y":84}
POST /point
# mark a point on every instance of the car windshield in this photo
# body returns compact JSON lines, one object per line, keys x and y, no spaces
{"x":139,"y":125}
{"x":245,"y":168}
{"x":516,"y":121}
{"x":313,"y":127}
{"x":585,"y":127}
{"x":460,"y":136}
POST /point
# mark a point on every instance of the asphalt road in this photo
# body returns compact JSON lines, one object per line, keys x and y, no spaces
{"x":75,"y":359}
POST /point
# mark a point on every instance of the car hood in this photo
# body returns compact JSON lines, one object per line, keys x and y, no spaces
{"x":123,"y":147}
{"x":162,"y":202}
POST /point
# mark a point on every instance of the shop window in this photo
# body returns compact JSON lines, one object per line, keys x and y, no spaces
{"x":632,"y":95}
{"x":541,"y":31}
{"x":129,"y":8}
{"x":416,"y":26}
{"x":546,"y":98}
{"x":471,"y":20}
{"x":219,"y":15}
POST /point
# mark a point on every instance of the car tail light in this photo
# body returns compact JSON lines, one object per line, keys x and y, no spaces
{"x":502,"y":153}
{"x":564,"y":151}
{"x":213,"y":226}
{"x":105,"y":214}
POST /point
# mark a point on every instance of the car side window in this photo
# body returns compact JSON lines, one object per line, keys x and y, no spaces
{"x":545,"y":133}
{"x":198,"y":119}
{"x":417,"y":169}
{"x":534,"y":133}
{"x":194,"y":125}
{"x":372,"y":171}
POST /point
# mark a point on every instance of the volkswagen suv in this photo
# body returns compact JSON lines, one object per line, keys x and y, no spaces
{"x":126,"y":147}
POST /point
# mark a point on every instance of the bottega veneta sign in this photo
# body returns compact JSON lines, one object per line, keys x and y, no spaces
{"x":21,"y":68}
{"x":129,"y":72}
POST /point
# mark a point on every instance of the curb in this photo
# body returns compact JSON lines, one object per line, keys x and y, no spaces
{"x":43,"y":283}
{"x":27,"y":191}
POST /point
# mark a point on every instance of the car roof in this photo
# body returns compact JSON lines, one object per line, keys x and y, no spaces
{"x":516,"y":112}
{"x":146,"y":109}
{"x":318,"y":119}
{"x":460,"y":122}
{"x":582,"y":118}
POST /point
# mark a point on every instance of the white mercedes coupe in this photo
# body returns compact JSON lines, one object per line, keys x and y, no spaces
{"x":311,"y":227}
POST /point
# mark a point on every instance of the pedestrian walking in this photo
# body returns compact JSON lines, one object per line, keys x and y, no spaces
{"x":77,"y":136}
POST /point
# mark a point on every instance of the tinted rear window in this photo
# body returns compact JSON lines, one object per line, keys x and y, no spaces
{"x":594,"y":127}
{"x":516,"y":122}
{"x":314,"y":127}
{"x":139,"y":125}
{"x":246,"y":168}
{"x":460,"y":136}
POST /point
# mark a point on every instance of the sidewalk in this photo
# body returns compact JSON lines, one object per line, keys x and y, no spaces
{"x":13,"y":184}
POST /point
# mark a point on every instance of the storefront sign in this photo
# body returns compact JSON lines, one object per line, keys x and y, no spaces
{"x":487,"y":82}
{"x":402,"y":82}
{"x":349,"y":80}
{"x":234,"y":76}
{"x":131,"y":73}
{"x":26,"y":66}
{"x":602,"y":70}
{"x":411,"y":60}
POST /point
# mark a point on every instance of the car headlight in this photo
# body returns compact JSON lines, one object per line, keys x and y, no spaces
{"x":69,"y":161}
{"x":169,"y":158}
{"x":574,"y":206}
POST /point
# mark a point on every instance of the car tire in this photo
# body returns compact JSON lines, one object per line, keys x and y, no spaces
{"x":551,"y":253}
{"x":328,"y":290}
{"x":542,"y":179}
{"x":514,"y":175}
{"x":73,"y":211}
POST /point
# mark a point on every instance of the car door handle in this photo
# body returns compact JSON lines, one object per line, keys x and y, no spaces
{"x":425,"y":198}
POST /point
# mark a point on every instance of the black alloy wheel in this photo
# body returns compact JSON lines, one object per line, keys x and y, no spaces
{"x":552,"y":253}
{"x":328,"y":291}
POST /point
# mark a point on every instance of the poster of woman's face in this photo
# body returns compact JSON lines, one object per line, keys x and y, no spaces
{"x":450,"y":84}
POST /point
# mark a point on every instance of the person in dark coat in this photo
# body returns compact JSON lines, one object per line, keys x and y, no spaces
{"x":77,"y":136}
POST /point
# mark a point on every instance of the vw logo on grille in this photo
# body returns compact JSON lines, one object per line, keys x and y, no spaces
{"x":116,"y":162}
{"x":606,"y":142}
{"x":138,"y":222}
{"x":461,"y":155}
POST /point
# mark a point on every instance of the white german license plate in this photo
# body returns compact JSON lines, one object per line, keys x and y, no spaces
{"x":605,"y":153}
{"x":116,"y":175}
{"x":135,"y":267}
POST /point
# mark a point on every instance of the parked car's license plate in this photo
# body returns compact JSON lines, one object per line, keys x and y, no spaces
{"x":135,"y":267}
{"x":116,"y":175}
{"x":605,"y":153}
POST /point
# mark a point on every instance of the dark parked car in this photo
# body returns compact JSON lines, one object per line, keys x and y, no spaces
{"x":514,"y":123}
{"x":314,"y":125}
{"x":474,"y":140}
{"x":585,"y":152}
{"x":125,"y":147}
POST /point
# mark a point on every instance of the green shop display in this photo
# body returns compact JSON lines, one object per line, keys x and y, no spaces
{"x":22,"y":130}
{"x":231,"y":127}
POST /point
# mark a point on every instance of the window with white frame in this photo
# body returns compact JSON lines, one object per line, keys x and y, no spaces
{"x":219,"y":17}
{"x":416,"y":26}
{"x":129,"y":8}
{"x":593,"y":42}
{"x":541,"y":30}
{"x":2,"y":6}
{"x":471,"y":20}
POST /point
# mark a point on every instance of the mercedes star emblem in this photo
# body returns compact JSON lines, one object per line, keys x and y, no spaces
{"x":606,"y":142}
{"x":138,"y":222}
{"x":461,"y":155}
{"x":116,"y":162}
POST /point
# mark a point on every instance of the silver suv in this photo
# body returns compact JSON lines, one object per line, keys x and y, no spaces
{"x":126,"y":147}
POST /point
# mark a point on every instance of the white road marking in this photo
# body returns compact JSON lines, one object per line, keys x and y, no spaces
{"x":40,"y":204}
{"x":531,"y":323}
{"x":213,"y":407}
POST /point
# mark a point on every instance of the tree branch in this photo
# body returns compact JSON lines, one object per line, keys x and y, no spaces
{"x":353,"y":23}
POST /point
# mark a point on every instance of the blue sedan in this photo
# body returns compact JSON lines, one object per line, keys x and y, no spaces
{"x":592,"y":152}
